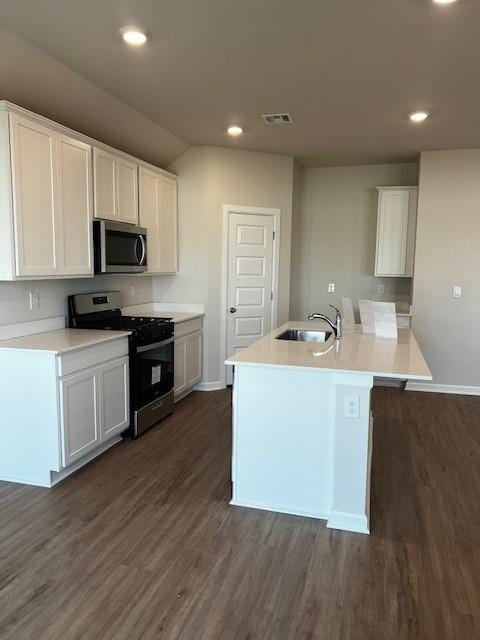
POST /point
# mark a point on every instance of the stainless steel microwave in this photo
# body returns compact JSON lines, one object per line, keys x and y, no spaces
{"x":119,"y":247}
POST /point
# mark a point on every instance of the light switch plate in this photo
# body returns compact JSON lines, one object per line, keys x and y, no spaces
{"x":381,"y":289}
{"x":351,"y":407}
{"x":331,"y":287}
{"x":457,"y":292}
{"x":34,"y":299}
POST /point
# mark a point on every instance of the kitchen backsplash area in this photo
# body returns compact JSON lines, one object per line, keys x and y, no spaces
{"x":49,"y":296}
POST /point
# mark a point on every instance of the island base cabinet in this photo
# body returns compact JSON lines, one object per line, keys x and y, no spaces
{"x":294,"y":448}
{"x":94,"y":408}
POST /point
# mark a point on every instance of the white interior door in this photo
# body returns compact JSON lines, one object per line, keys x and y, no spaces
{"x":249,"y":280}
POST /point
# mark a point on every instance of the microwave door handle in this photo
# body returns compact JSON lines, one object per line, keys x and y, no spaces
{"x":144,"y":250}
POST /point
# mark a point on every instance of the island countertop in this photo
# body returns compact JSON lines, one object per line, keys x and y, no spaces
{"x":355,"y":352}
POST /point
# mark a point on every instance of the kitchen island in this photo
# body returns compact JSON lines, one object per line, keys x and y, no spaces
{"x":302,"y":420}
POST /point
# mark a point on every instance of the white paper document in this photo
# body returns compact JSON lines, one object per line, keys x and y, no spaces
{"x":347,"y":309}
{"x":385,"y":319}
{"x":367,"y":316}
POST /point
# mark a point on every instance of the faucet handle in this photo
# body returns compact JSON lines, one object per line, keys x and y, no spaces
{"x":336,"y":309}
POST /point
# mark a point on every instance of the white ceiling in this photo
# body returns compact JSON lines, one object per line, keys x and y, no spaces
{"x":349,"y":71}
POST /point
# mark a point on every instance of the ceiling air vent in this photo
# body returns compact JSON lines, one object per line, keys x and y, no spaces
{"x":277,"y":118}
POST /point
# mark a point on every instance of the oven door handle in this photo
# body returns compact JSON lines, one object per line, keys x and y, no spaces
{"x":148,"y":347}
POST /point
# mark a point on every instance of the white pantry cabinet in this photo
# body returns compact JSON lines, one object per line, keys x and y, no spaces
{"x":188,"y":356}
{"x":116,"y":187}
{"x":67,"y":408}
{"x":158,"y":214}
{"x":396,"y":227}
{"x":46,"y":201}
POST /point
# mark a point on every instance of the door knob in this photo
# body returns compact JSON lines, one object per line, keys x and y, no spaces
{"x":233,"y":310}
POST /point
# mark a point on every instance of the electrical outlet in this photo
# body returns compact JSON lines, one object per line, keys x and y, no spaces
{"x":133,"y":292}
{"x":381,"y":289}
{"x":351,"y":407}
{"x":331,"y":287}
{"x":34,"y":299}
{"x":457,"y":292}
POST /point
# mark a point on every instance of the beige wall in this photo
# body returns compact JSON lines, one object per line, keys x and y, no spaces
{"x":37,"y":81}
{"x":448,"y":254}
{"x":334,"y":235}
{"x":210,"y":177}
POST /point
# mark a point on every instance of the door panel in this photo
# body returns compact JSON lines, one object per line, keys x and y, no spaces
{"x":193,"y":359}
{"x":105,"y":185}
{"x":80,"y":415}
{"x":127,"y":191}
{"x":75,"y":206}
{"x":149,"y":216}
{"x":115,"y":397}
{"x":33,"y":157}
{"x":180,"y":373}
{"x":167,"y":226}
{"x":392,"y":233}
{"x":249,"y":279}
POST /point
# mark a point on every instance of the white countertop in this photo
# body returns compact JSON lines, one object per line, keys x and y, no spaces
{"x":355,"y":352}
{"x":61,"y":340}
{"x":157,"y":310}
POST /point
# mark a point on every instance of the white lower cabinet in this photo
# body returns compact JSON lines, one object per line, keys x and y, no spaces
{"x":76,"y":406}
{"x":94,"y":407}
{"x":188,"y":357}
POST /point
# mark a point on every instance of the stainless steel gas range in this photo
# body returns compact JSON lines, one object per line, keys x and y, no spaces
{"x":150,"y":349}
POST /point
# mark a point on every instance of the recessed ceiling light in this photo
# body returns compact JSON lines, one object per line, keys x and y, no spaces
{"x":418,"y":116}
{"x":234,"y":130}
{"x":134,"y":36}
{"x":444,"y":1}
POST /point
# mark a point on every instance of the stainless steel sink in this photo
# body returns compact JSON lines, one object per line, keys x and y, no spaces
{"x":305,"y":335}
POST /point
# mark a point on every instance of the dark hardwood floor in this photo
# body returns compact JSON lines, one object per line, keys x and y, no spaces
{"x":143,"y":544}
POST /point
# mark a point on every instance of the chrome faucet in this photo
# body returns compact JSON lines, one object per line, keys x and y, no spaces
{"x":337,"y":327}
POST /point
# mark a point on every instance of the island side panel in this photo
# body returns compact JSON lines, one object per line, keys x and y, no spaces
{"x":30,"y":441}
{"x":283,"y":440}
{"x":352,"y":454}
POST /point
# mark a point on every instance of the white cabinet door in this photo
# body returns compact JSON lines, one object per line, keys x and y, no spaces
{"x":105,"y":179}
{"x":33,"y":169}
{"x":167,"y":227}
{"x":158,"y":213}
{"x":80,"y":414}
{"x":396,"y":231}
{"x":193,"y":359}
{"x":74,"y":198}
{"x":180,"y":366}
{"x":115,"y":397}
{"x":127,"y":191}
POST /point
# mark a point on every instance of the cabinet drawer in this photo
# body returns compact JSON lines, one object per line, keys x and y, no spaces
{"x":403,"y":322}
{"x":91,"y":356}
{"x":190,"y":326}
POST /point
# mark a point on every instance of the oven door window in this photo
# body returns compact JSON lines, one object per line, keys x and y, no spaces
{"x":154,"y":372}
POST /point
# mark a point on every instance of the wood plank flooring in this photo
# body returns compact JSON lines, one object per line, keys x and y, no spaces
{"x":143,"y":545}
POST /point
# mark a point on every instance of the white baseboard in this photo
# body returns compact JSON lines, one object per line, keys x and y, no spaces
{"x":348,"y":522}
{"x":443,"y":388}
{"x":275,"y":509}
{"x":209,"y":386}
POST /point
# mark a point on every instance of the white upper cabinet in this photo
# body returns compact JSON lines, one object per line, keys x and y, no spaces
{"x":158,"y":214}
{"x":52,"y":202}
{"x":75,"y":206}
{"x":396,"y":226}
{"x":35,"y":217}
{"x":116,"y":187}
